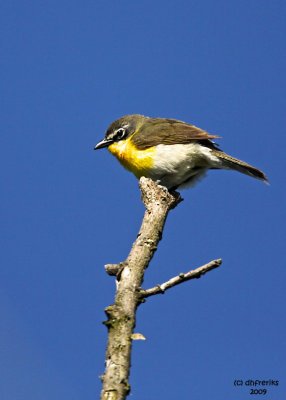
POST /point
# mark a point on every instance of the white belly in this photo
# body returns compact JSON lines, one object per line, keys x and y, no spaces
{"x":176,"y":164}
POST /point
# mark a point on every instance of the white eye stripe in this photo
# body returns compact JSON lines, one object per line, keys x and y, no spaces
{"x":123,"y":127}
{"x":121,"y":132}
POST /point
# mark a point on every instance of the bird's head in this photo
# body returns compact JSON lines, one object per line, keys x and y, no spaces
{"x":121,"y":129}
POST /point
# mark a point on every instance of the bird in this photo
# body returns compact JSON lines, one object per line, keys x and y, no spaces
{"x":173,"y":153}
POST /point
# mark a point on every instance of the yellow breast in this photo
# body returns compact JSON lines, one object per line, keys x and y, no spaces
{"x":137,"y":161}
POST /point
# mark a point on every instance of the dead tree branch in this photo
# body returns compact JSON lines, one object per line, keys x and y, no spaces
{"x":129,"y":278}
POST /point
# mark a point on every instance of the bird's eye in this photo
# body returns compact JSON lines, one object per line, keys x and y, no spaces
{"x":120,"y":133}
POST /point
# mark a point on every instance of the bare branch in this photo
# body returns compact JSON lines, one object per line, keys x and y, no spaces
{"x":121,"y":316}
{"x":193,"y":274}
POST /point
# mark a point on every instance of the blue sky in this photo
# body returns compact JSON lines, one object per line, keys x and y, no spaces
{"x":70,"y":68}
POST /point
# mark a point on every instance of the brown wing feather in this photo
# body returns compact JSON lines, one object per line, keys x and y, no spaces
{"x":157,"y":131}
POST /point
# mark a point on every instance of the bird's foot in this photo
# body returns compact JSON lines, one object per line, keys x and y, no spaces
{"x":158,"y":182}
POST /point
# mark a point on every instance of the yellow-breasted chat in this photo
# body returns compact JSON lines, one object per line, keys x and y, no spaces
{"x":171,"y":152}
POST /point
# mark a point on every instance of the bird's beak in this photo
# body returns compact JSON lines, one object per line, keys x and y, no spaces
{"x":103,"y":143}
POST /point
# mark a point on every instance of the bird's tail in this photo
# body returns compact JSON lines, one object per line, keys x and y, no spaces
{"x":229,"y":162}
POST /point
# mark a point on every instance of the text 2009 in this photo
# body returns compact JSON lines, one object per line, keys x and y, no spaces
{"x":258,"y":391}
